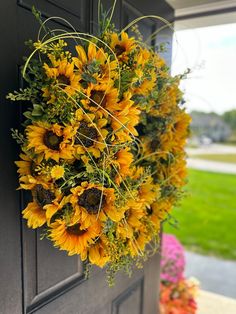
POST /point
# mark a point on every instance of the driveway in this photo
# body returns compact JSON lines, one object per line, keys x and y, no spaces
{"x":213,"y":166}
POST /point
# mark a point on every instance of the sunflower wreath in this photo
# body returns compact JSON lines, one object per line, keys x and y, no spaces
{"x":102,"y":144}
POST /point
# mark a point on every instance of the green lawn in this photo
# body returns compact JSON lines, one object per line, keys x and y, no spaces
{"x":207,"y":216}
{"x":230,"y":158}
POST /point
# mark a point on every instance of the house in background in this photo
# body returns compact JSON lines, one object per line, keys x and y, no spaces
{"x":209,"y":125}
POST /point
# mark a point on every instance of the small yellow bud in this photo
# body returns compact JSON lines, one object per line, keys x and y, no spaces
{"x":57,"y":172}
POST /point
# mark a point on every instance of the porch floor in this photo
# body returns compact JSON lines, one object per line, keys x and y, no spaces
{"x":211,"y":303}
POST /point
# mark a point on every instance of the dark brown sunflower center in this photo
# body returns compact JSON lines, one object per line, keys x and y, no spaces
{"x":154,"y":145}
{"x":127,"y":214}
{"x":42,"y":196}
{"x":76,"y":230}
{"x":62,"y":79}
{"x":97,"y":97}
{"x":91,"y":199}
{"x":52,"y":141}
{"x":149,"y":211}
{"x":86,"y":135}
{"x":119,"y":50}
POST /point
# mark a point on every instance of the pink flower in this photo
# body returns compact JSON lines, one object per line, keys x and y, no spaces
{"x":172,"y":259}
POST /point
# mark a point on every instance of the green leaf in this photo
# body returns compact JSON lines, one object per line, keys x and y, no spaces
{"x":28,"y":114}
{"x":89,"y":78}
{"x":37,"y":111}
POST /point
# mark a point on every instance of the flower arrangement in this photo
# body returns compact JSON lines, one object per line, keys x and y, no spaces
{"x":177,"y":294}
{"x":102,"y":144}
{"x":179,"y":297}
{"x":172,"y":259}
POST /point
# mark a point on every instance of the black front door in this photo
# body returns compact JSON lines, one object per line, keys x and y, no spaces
{"x":35,"y":277}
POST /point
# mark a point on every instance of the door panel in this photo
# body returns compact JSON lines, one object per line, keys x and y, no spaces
{"x":54,"y":266}
{"x":36,"y":277}
{"x":10,"y":233}
{"x":131,"y":300}
{"x":146,"y":26}
{"x":74,"y":11}
{"x":47,"y":272}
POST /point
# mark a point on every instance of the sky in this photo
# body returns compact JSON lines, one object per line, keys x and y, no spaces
{"x":210,"y":53}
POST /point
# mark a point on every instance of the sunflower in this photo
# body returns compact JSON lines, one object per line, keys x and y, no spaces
{"x":176,"y":133}
{"x":158,"y":146}
{"x":142,"y":57}
{"x":72,"y":237}
{"x":98,"y":252}
{"x":133,"y":212}
{"x":169,"y":97}
{"x":158,"y":62}
{"x":47,"y":93}
{"x":56,"y":206}
{"x":146,"y":57}
{"x":124,"y":120}
{"x":90,"y":136}
{"x":144,"y":85}
{"x":63,"y":74}
{"x":175,"y":172}
{"x":29,"y":182}
{"x":167,"y":142}
{"x":25,"y":165}
{"x":102,"y":98}
{"x":122,"y":47}
{"x":143,"y":82}
{"x":181,"y":129}
{"x":137,"y":172}
{"x":158,"y":211}
{"x":35,"y":212}
{"x":93,"y":201}
{"x":95,"y":63}
{"x":149,"y":192}
{"x":138,"y":242}
{"x":123,"y":160}
{"x":181,"y":123}
{"x":178,"y":172}
{"x":35,"y":215}
{"x":29,"y":173}
{"x":50,"y":141}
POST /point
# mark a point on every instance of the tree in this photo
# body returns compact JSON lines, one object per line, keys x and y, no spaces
{"x":230,"y":118}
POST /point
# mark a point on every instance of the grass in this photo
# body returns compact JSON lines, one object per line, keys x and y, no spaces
{"x":207,"y":216}
{"x":229,"y":158}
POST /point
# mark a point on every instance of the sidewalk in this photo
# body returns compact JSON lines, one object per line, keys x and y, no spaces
{"x":215,"y":275}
